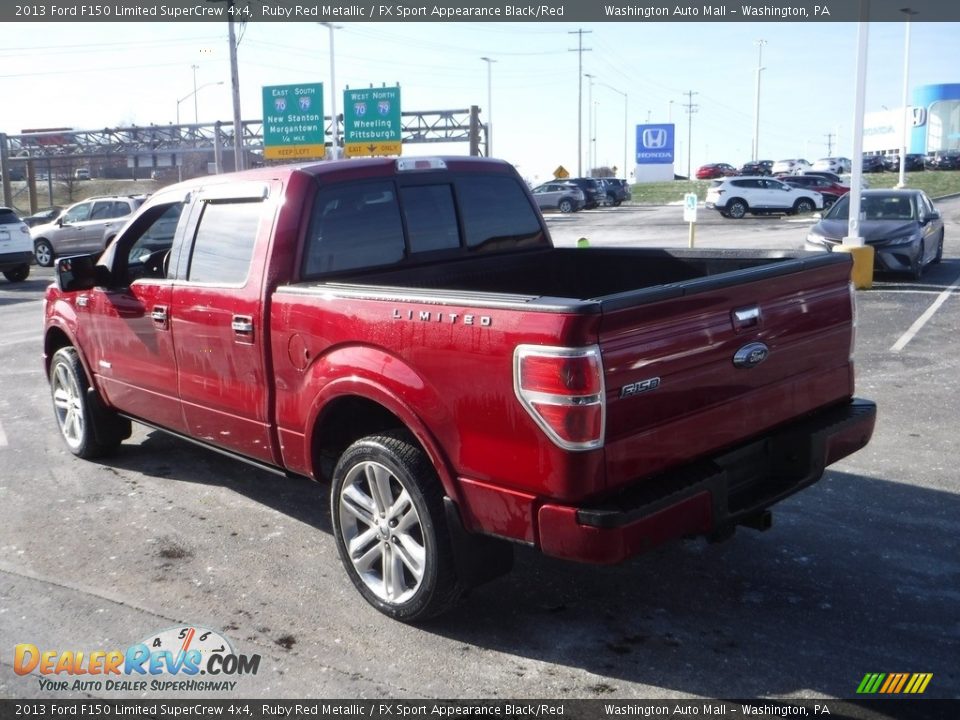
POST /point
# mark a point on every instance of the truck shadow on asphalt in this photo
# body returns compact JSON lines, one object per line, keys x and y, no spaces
{"x":857,"y":575}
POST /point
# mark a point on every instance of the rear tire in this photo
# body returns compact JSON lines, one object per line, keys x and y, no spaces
{"x":736,"y":208}
{"x":18,"y":274}
{"x":565,"y":206}
{"x":386,"y":508}
{"x":803,"y":206}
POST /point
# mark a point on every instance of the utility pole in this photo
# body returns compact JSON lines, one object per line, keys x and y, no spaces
{"x":829,"y":137}
{"x":489,"y":62}
{"x":691,"y":109}
{"x":580,"y":49}
{"x":235,"y":85}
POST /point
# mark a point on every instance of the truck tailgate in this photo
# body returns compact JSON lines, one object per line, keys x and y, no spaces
{"x":717,"y":361}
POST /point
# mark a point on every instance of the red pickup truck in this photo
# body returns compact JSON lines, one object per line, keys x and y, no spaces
{"x":405,"y":330}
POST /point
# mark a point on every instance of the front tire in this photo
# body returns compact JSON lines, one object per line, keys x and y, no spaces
{"x":916,"y":271}
{"x":386,"y":508}
{"x":736,"y":209}
{"x":88,"y":429}
{"x":18,"y":274}
{"x":43,"y":252}
{"x":939,"y":256}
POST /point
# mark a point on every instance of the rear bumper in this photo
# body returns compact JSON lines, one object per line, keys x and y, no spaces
{"x":710,"y":496}
{"x":9,"y":261}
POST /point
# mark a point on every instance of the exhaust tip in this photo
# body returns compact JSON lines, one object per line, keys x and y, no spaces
{"x":762,"y":521}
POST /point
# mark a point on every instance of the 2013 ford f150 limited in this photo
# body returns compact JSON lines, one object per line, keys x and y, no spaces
{"x":405,"y":330}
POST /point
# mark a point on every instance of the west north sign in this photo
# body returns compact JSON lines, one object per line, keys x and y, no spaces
{"x":371,"y":122}
{"x":293,"y":127}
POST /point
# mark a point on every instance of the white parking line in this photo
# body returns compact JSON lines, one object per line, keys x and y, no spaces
{"x":3,"y":437}
{"x":922,"y":320}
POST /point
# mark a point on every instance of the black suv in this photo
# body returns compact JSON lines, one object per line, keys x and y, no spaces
{"x":594,"y":193}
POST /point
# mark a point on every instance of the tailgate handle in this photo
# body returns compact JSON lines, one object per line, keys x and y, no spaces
{"x":744,"y":318}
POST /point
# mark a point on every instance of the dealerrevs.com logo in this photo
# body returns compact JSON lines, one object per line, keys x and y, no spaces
{"x":182,"y":658}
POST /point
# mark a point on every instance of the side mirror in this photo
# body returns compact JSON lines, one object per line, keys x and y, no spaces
{"x":59,"y":222}
{"x":80,"y":272}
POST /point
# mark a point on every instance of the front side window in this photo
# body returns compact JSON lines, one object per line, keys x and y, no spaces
{"x":78,"y":213}
{"x":223,"y":245}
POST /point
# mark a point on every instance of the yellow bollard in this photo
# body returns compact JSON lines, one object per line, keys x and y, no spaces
{"x":862,"y":273}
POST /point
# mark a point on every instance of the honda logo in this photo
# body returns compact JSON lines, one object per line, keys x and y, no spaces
{"x":919,"y":116}
{"x":654,"y":138}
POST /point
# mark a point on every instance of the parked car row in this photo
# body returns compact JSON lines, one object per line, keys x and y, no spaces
{"x":573,"y":194}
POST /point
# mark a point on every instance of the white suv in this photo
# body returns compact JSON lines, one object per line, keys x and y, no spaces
{"x":736,"y":196}
{"x":790,"y":167}
{"x":15,"y":246}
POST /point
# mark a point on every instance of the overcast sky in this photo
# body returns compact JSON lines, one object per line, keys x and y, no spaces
{"x":90,"y":75}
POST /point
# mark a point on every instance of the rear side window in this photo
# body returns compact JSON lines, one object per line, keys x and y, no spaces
{"x":223,"y":245}
{"x":431,"y":217}
{"x":354,"y":226}
{"x":8,"y":217}
{"x":495,"y":209}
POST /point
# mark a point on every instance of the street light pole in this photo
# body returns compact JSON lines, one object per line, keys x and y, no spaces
{"x":334,"y":147}
{"x":589,"y":123}
{"x":489,"y":62}
{"x":902,"y":181}
{"x":196,"y":120}
{"x":196,"y":113}
{"x":625,"y":114}
{"x":194,"y":96}
{"x":756,"y":106}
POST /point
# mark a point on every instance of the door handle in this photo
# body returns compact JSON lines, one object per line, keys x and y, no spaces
{"x":242,"y":324}
{"x":160,"y":316}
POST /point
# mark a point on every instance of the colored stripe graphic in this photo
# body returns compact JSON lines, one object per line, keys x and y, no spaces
{"x":894,"y":683}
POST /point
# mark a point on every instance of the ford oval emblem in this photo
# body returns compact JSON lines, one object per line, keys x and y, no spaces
{"x":751,"y":355}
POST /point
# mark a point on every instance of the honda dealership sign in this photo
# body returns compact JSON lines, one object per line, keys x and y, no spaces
{"x":655,"y":144}
{"x":656,"y":152}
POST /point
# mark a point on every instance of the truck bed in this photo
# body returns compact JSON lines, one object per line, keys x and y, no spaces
{"x":613,"y":276}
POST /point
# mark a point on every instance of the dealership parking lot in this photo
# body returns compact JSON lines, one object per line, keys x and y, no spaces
{"x":859,"y":574}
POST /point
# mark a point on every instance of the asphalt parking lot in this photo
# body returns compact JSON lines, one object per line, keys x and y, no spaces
{"x":859,"y":574}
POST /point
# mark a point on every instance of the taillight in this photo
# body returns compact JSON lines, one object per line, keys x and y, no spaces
{"x":853,"y":320}
{"x":562,"y":389}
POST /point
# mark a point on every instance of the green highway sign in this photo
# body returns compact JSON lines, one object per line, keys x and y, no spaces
{"x":293,"y":126}
{"x":371,"y":122}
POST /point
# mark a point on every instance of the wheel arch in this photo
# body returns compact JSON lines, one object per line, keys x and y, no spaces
{"x":354,"y":408}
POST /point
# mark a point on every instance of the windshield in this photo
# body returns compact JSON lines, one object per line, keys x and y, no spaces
{"x":875,"y":207}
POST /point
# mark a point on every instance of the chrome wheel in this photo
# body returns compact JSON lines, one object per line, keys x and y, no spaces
{"x":68,"y":405}
{"x":390,"y":526}
{"x":382,"y":532}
